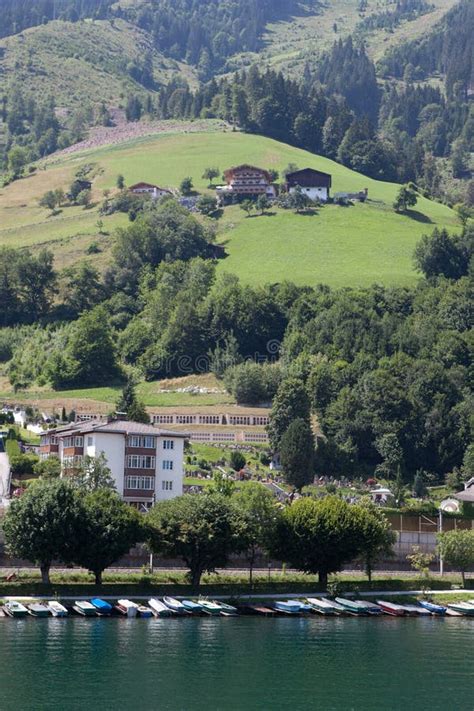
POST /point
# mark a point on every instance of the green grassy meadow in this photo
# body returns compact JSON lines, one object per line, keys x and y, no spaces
{"x":339,"y":246}
{"x":153,"y":394}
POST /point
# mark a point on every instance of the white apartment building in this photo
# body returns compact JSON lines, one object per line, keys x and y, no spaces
{"x":147,"y":463}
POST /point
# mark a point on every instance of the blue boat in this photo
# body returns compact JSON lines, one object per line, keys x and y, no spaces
{"x":193,"y":607}
{"x":102,"y":607}
{"x":431,"y":607}
{"x":305,"y":608}
{"x":288,"y":607}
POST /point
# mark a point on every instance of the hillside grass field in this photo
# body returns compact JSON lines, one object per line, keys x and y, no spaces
{"x":340,"y":246}
{"x":163,"y":393}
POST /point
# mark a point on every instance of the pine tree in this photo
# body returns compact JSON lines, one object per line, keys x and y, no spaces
{"x":129,"y":404}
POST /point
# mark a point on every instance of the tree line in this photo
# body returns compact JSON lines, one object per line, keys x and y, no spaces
{"x":18,"y":15}
{"x":69,"y":522}
{"x":447,"y":50}
{"x":85,"y":523}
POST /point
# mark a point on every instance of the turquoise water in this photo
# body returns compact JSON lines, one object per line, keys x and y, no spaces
{"x":232,"y":664}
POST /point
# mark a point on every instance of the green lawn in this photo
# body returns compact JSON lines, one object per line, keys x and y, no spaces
{"x":151,"y":393}
{"x":353,"y":246}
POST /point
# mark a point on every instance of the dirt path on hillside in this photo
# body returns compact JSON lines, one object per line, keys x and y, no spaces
{"x":123,"y":132}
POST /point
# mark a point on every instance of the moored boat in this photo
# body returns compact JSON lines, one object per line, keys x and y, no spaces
{"x":56,"y":609}
{"x":38,"y":609}
{"x":390,"y":608}
{"x":192,"y":606}
{"x":464,"y":608}
{"x":357,"y":608}
{"x":84,"y":608}
{"x":158,"y":608}
{"x":431,"y":607}
{"x":102,"y":606}
{"x":13,"y":608}
{"x":416,"y":610}
{"x":228,"y":610}
{"x":211,"y":608}
{"x":323,"y":607}
{"x":144,"y":611}
{"x":305,"y":608}
{"x":257,"y":610}
{"x":175,"y":606}
{"x":288,"y":607}
{"x":371,"y":607}
{"x":127,"y":608}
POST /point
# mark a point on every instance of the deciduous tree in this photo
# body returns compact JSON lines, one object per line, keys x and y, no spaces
{"x":457,"y":549}
{"x":110,"y":528}
{"x":319,"y":536}
{"x":201,"y":530}
{"x":260,"y":510}
{"x":44,"y":524}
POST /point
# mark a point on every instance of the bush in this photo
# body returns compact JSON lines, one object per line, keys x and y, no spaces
{"x":252,"y":383}
{"x":23,"y":464}
{"x":186,"y":186}
{"x":237,"y":460}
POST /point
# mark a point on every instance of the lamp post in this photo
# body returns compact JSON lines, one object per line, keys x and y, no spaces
{"x":440,"y":529}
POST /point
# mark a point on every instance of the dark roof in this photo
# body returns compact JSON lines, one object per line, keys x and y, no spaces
{"x":467,"y":495}
{"x":309,"y":177}
{"x":117,"y":426}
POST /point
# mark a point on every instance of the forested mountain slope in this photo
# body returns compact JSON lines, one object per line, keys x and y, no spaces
{"x":448,"y":50}
{"x":172,"y":60}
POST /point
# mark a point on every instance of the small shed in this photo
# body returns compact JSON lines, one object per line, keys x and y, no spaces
{"x":314,"y":183}
{"x":381,"y":495}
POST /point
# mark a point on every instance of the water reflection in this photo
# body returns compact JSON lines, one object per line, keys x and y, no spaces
{"x":207,"y":664}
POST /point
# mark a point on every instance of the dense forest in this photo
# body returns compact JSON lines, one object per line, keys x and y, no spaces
{"x":18,"y":15}
{"x":386,"y":370}
{"x":207,"y":32}
{"x":447,"y":50}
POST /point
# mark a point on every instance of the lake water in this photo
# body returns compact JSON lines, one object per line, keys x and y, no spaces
{"x":229,"y":664}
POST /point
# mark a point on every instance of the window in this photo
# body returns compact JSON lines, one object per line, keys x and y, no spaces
{"x":147,"y":441}
{"x":168,"y":444}
{"x":90,"y":441}
{"x":167,"y":485}
{"x":146,"y":483}
{"x":167,"y":464}
{"x":140,"y":461}
{"x":73,"y":442}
